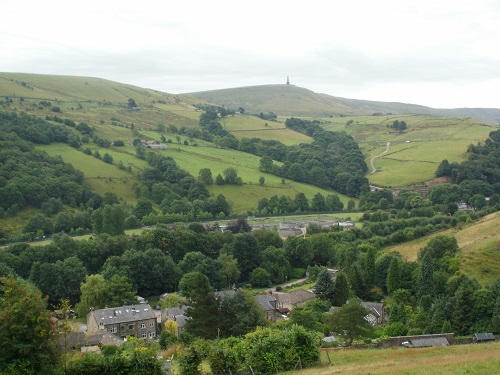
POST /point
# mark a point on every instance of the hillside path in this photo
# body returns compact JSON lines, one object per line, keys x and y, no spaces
{"x":377,"y":156}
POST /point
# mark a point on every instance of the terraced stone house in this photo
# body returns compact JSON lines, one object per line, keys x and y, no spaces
{"x":134,"y":320}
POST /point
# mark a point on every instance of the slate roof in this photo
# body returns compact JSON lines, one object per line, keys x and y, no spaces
{"x":224,"y":293}
{"x":428,"y":342}
{"x":175,"y":311}
{"x":181,"y":320}
{"x":295,"y":297}
{"x":266,"y":301}
{"x":103,"y":339}
{"x":483,"y":336}
{"x":123,"y":314}
{"x":71,"y":340}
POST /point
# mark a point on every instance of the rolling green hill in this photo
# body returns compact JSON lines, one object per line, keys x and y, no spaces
{"x":412,"y":158}
{"x":290,"y":100}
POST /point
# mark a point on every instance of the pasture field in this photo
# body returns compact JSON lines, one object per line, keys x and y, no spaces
{"x":102,"y":177}
{"x":478,"y":241}
{"x":415,"y":154}
{"x":254,"y":127}
{"x":244,"y":198}
{"x":453,"y":360}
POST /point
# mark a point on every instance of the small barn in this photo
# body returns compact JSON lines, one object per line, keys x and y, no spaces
{"x":483,"y":337}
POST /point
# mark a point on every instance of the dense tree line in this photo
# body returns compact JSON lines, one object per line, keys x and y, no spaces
{"x":29,"y":177}
{"x":482,"y":166}
{"x":332,"y":160}
{"x":286,"y":205}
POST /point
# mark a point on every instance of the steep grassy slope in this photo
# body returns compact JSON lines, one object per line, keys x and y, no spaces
{"x":479,"y":247}
{"x":103,"y":104}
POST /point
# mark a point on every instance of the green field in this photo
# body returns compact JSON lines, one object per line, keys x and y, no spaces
{"x":254,"y":127}
{"x":104,"y":177}
{"x":415,"y":154}
{"x":479,"y":243}
{"x":456,"y":359}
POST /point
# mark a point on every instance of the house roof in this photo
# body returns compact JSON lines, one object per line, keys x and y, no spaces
{"x":265,"y":300}
{"x":71,"y":339}
{"x":295,"y":297}
{"x":376,"y":308}
{"x":175,"y":311}
{"x":483,"y":336}
{"x":428,"y":342}
{"x":181,"y":320}
{"x":103,"y":339}
{"x":123,"y":314}
{"x":224,"y":293}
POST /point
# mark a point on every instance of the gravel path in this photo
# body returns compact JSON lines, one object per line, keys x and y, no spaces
{"x":376,"y":156}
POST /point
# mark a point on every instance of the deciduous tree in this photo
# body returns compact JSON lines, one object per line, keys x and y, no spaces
{"x":27,"y":335}
{"x":349,"y":321}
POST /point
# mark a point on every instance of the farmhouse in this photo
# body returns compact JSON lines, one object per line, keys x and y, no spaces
{"x":134,"y":320}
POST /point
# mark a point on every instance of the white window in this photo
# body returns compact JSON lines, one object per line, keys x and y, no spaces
{"x":143,"y":325}
{"x":112,"y":329}
{"x":151,"y":324}
{"x":151,"y":335}
{"x":143,"y":335}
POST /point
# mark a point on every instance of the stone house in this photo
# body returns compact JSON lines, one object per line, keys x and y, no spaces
{"x":176,"y":314}
{"x":134,"y":320}
{"x":293,"y":299}
{"x":269,"y":304}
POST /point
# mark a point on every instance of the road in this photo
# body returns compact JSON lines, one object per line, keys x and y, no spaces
{"x":377,"y":156}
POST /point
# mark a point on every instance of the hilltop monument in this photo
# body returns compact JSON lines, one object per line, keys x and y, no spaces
{"x":287,"y":80}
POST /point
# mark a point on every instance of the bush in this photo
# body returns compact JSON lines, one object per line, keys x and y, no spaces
{"x":298,"y":273}
{"x":270,"y":350}
{"x":396,"y":329}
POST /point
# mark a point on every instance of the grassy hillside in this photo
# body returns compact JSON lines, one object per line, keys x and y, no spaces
{"x":95,"y":100}
{"x":415,"y":154}
{"x":290,"y":100}
{"x":479,"y":247}
{"x":458,"y":359}
{"x":104,"y":177}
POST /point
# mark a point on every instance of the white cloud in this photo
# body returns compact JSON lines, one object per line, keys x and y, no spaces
{"x":440,"y":53}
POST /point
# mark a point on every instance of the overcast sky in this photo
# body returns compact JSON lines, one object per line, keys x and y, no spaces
{"x":440,"y":53}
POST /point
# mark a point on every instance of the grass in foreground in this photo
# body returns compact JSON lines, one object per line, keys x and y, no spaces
{"x":459,"y":359}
